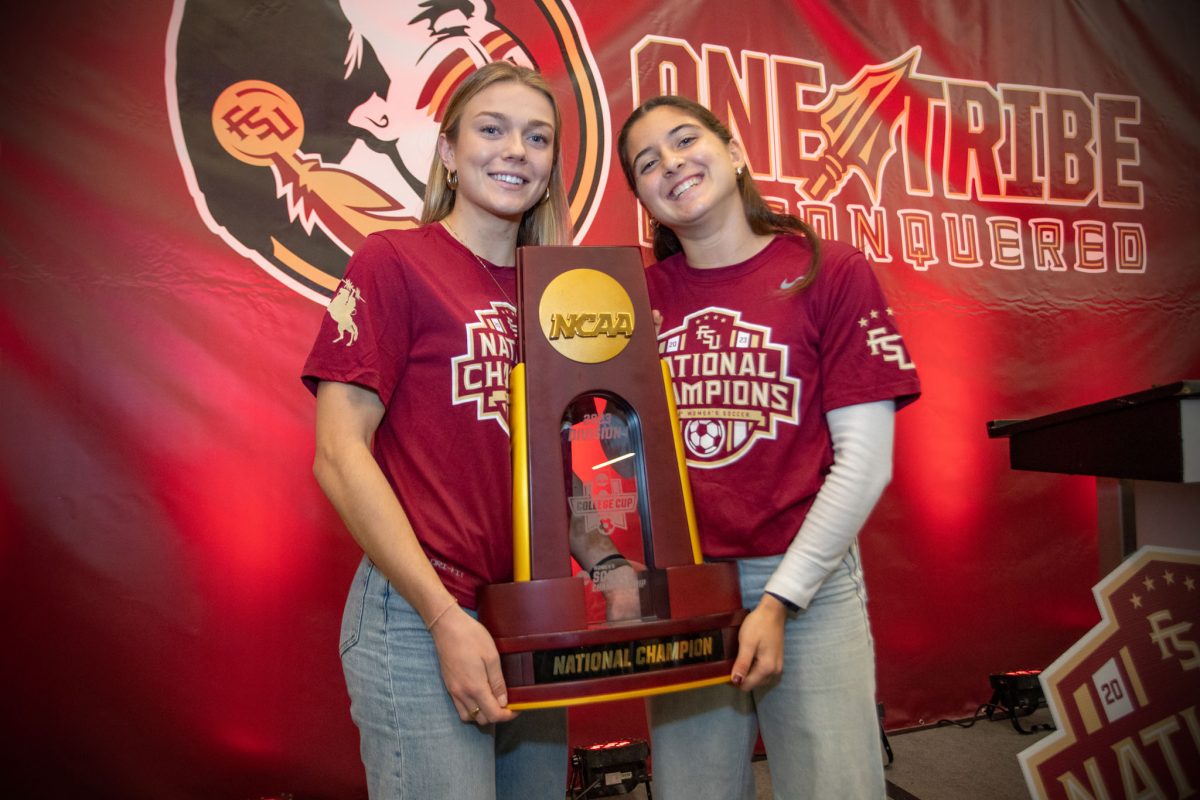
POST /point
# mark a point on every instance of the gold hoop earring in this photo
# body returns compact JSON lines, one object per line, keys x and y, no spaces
{"x":546,"y":198}
{"x":452,"y":180}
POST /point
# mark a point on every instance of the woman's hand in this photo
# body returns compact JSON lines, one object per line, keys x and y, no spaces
{"x":622,"y":595}
{"x":471,"y":668}
{"x":760,"y":645}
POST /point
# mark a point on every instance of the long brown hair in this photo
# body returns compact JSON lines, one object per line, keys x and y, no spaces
{"x":762,"y":219}
{"x":548,"y":221}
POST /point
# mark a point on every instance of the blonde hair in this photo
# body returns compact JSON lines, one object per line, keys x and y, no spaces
{"x":762,"y":219}
{"x":548,"y":221}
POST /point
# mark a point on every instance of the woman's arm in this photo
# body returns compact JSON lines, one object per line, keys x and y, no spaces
{"x":347,"y":417}
{"x":612,"y":574}
{"x":862,"y":468}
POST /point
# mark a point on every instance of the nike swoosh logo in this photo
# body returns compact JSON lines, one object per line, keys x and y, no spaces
{"x":786,"y":284}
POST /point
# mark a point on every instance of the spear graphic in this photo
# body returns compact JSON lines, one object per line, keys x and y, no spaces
{"x":858,"y":119}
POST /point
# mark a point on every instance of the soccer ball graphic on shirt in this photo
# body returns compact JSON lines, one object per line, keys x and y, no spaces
{"x":704,"y":437}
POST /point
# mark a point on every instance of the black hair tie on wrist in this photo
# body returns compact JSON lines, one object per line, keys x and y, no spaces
{"x":609,"y":559}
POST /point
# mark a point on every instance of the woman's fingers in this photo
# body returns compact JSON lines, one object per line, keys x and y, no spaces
{"x":471,"y":669}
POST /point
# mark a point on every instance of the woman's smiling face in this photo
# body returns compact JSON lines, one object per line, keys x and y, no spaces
{"x":682,"y":170}
{"x":504,"y":151}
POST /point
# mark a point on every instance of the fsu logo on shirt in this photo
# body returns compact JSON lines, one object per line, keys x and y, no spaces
{"x":882,"y":339}
{"x":731,"y":385}
{"x":481,"y":374}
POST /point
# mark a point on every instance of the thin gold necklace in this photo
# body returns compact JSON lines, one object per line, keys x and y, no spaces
{"x":482,"y":265}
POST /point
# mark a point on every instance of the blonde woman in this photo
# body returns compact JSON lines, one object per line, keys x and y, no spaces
{"x":412,"y":450}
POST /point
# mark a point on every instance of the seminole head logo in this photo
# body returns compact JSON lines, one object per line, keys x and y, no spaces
{"x":303,"y":130}
{"x":732,"y":385}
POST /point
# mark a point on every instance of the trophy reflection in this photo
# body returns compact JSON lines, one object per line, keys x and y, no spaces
{"x":599,"y":475}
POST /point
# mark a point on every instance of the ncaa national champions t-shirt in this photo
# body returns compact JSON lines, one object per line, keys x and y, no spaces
{"x":756,"y":367}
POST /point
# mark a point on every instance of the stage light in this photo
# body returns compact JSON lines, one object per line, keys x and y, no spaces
{"x":612,"y":768}
{"x":1017,"y":694}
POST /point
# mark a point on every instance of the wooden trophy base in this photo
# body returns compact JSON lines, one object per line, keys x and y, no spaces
{"x":552,"y":656}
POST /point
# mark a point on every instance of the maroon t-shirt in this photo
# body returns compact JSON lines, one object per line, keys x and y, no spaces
{"x":418,"y":320}
{"x":755,"y":369}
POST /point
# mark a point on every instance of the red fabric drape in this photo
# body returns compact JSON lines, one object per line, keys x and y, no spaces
{"x":172,"y":578}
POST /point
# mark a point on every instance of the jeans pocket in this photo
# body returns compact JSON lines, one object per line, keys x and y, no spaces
{"x":356,"y":602}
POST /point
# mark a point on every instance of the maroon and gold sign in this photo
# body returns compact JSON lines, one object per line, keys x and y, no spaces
{"x":1125,"y":697}
{"x":597,"y":460}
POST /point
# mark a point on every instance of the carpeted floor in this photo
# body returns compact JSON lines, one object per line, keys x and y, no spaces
{"x":945,"y":763}
{"x":953,"y":763}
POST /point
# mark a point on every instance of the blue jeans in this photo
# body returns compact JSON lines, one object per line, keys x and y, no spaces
{"x":818,"y":721}
{"x":413,"y":744}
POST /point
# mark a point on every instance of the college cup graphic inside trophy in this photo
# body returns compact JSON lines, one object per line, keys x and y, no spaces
{"x":598,"y":460}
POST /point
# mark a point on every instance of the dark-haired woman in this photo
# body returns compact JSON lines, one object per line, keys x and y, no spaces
{"x":788,"y":369}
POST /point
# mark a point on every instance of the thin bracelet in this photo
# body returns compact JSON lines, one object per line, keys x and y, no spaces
{"x":608,"y":558}
{"x":440,"y":614}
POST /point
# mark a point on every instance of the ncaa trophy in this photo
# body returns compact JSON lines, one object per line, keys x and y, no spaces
{"x":597,"y":458}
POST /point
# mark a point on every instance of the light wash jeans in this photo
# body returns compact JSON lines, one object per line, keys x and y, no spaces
{"x":413,"y":744}
{"x":818,"y":722}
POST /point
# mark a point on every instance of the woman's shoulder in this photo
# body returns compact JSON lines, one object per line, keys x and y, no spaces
{"x":841,"y":260}
{"x":839,"y":251}
{"x":401,"y":239}
{"x":831,"y":250}
{"x":409,"y":246}
{"x":393,"y":256}
{"x":843,"y":271}
{"x":666,"y":268}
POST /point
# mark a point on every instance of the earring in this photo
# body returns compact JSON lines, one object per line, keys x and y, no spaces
{"x":546,"y":199}
{"x":739,"y":171}
{"x":452,"y":180}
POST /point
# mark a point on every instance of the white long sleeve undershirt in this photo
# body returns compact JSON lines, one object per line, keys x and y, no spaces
{"x":862,"y":467}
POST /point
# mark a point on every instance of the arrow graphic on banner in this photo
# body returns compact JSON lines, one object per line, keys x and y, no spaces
{"x":857,"y":120}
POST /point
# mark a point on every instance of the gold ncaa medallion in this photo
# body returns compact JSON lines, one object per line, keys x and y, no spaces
{"x":586,"y":316}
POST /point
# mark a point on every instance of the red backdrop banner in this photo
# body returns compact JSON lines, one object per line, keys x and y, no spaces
{"x":180,"y":187}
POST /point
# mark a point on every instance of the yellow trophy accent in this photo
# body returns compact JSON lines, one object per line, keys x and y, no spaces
{"x":522,"y":569}
{"x":681,"y":459}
